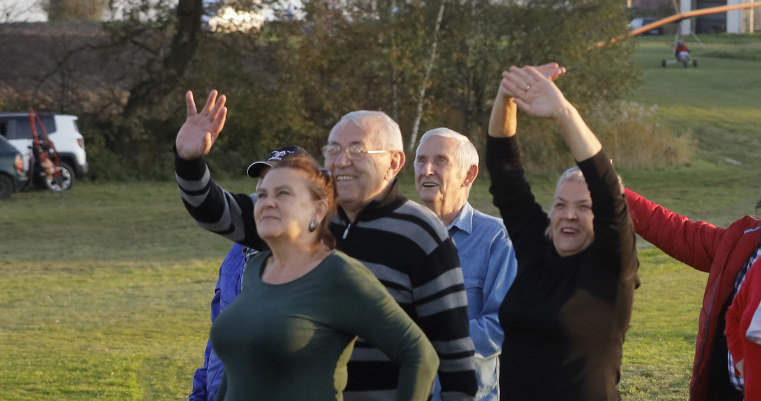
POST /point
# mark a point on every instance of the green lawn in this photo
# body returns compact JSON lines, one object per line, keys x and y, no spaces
{"x":106,"y":287}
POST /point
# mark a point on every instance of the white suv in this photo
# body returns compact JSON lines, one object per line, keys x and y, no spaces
{"x":62,"y":130}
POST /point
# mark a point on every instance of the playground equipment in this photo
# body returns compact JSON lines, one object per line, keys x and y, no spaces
{"x":45,"y":166}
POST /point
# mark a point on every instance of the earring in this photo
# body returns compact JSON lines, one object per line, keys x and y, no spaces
{"x":312,"y":225}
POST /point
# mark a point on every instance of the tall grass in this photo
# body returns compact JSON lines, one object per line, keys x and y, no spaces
{"x":634,"y":137}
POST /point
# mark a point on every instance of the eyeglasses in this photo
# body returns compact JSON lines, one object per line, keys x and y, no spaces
{"x":353,"y":152}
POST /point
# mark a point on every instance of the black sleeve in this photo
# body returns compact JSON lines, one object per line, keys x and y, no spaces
{"x":212,"y":207}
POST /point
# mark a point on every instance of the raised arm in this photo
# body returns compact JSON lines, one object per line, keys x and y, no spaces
{"x":212,"y":207}
{"x":538,"y":96}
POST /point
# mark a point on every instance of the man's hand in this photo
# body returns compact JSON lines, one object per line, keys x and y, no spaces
{"x":200,"y":130}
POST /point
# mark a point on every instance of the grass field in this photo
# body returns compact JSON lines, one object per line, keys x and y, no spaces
{"x":106,"y":287}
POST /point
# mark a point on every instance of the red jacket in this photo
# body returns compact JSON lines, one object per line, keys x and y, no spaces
{"x":739,"y":317}
{"x":720,"y":252}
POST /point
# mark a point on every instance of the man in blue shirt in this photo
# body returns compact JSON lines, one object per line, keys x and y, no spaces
{"x":446,"y":164}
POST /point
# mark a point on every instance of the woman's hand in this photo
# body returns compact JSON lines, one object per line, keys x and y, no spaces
{"x":536,"y":94}
{"x":200,"y":130}
{"x":503,"y":120}
{"x":550,"y":70}
{"x":534,"y":91}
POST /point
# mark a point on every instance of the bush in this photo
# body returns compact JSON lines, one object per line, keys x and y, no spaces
{"x":633,"y":137}
{"x":630,"y":134}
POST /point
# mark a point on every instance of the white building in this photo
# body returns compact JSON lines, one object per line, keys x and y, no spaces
{"x":737,"y":21}
{"x":222,"y":17}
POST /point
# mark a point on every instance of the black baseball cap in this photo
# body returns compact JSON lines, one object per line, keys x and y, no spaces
{"x":255,"y":169}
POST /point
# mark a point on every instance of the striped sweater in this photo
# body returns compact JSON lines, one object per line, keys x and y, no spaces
{"x":404,"y":244}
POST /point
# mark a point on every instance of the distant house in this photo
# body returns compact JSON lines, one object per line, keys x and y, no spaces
{"x":650,"y":5}
{"x":738,"y":21}
{"x":221,"y":17}
{"x":741,"y":21}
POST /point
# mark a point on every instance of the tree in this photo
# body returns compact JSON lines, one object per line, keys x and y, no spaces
{"x":495,"y":35}
{"x":157,"y":41}
{"x":424,"y":64}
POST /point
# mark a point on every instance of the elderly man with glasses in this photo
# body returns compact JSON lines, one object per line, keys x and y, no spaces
{"x":404,"y":244}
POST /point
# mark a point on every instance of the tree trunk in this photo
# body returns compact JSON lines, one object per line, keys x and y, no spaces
{"x":150,"y":92}
{"x":426,"y":78}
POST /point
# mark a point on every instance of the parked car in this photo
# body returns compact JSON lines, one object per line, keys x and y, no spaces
{"x":13,"y":176}
{"x":63,"y":132}
{"x":642,"y":21}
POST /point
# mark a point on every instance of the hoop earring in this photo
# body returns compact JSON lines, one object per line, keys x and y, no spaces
{"x":312,"y":225}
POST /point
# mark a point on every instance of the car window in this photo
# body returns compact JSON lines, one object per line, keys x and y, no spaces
{"x":23,"y":130}
{"x":9,"y":128}
{"x":49,"y":122}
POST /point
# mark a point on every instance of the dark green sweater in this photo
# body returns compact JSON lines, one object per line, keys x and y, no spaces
{"x":292,"y":341}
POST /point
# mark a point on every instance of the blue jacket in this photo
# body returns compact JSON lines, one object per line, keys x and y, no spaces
{"x":206,"y":379}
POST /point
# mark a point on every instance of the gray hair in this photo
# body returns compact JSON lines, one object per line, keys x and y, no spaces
{"x":465,"y":153}
{"x":382,"y":127}
{"x":572,"y":174}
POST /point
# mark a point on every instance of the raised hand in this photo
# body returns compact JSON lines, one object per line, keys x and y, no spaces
{"x":534,"y":92}
{"x":200,"y":130}
{"x":550,"y":70}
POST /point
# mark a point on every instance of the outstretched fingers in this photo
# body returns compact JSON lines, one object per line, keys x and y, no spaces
{"x":190,"y":104}
{"x":201,"y":128}
{"x":219,"y":107}
{"x":211,"y":100}
{"x":219,"y":120}
{"x":215,"y":111}
{"x":551,"y":70}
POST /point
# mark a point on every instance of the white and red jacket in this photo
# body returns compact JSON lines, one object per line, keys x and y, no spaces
{"x":721,"y":252}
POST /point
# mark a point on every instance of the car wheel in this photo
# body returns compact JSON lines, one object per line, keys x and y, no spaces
{"x":62,"y":182}
{"x":6,"y":187}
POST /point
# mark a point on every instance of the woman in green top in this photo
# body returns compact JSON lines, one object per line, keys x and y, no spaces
{"x":290,"y":332}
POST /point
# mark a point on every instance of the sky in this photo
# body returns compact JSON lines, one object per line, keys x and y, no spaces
{"x":31,"y":11}
{"x":21,"y":11}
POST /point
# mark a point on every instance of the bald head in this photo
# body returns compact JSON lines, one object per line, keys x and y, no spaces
{"x":381,"y":130}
